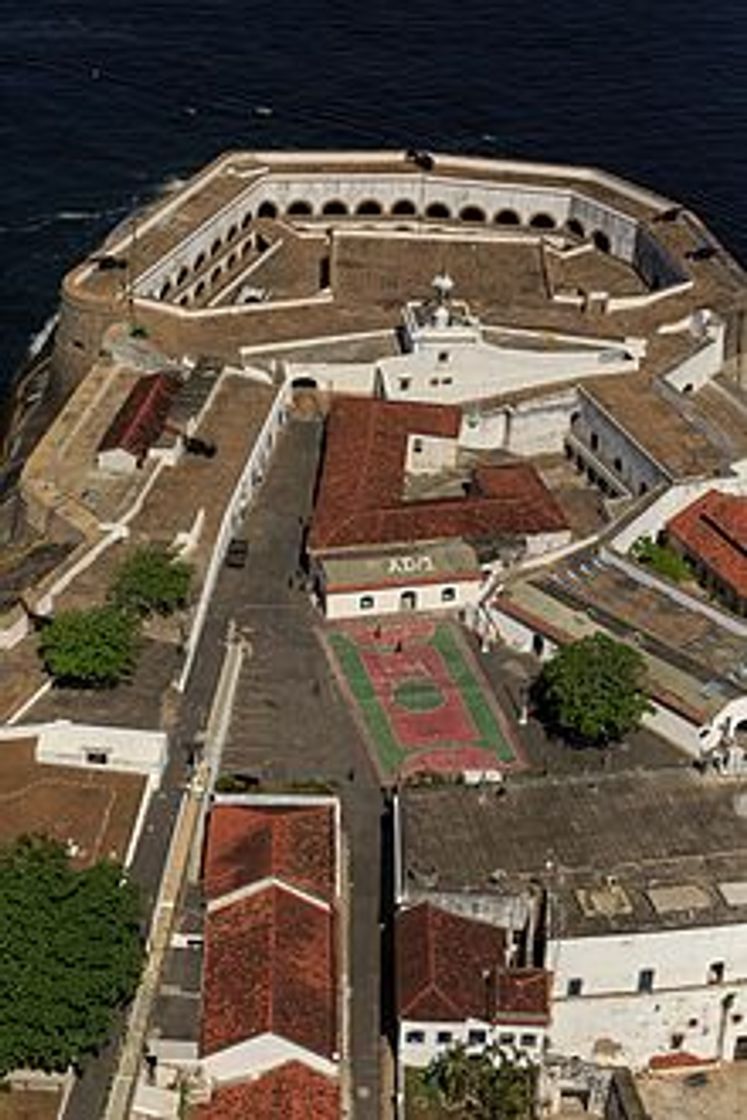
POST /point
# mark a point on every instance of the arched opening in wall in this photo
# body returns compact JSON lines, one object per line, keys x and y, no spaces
{"x":199,"y":262}
{"x":267,"y":209}
{"x":182,"y":275}
{"x":246,"y":220}
{"x":165,"y":290}
{"x":404,"y":206}
{"x":304,"y":383}
{"x":368,"y":206}
{"x":438,"y":210}
{"x":601,"y":241}
{"x":200,"y":289}
{"x":216,"y":274}
{"x":335,"y":207}
{"x":472,"y":214}
{"x":538,"y":645}
{"x":232,"y":231}
{"x":232,"y":258}
{"x":299,"y":208}
{"x":507,"y":218}
{"x":216,"y":247}
{"x":575,"y":227}
{"x":542,"y":221}
{"x":262,"y":243}
{"x":184,"y":301}
{"x":247,"y":247}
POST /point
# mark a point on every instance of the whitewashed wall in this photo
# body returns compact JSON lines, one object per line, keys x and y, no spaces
{"x":611,"y":1010}
{"x":527,"y":1038}
{"x":388,"y":600}
{"x":126,"y":749}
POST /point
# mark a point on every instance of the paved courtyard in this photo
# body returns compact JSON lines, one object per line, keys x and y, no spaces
{"x":421,"y":698}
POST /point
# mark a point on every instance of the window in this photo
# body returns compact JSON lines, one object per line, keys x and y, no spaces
{"x":97,"y":758}
{"x":448,"y":595}
{"x":646,"y":980}
{"x":675,"y":1042}
{"x":618,"y":464}
{"x":575,"y":986}
{"x":443,"y":356}
{"x":417,"y":446}
{"x":447,"y":380}
{"x":692,"y":1023}
{"x":433,"y":381}
{"x":443,"y":1038}
{"x":476,"y":1038}
{"x":366,"y":602}
{"x":642,"y":489}
{"x":506,"y":1039}
{"x":594,"y":441}
{"x":528,"y":1040}
{"x":716,"y":972}
{"x":404,"y":383}
{"x":415,"y":1038}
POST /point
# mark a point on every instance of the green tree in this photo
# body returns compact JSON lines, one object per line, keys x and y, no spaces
{"x":151,"y":581}
{"x":661,"y":558}
{"x":71,"y":955}
{"x":592,"y":690}
{"x":486,"y":1086}
{"x":90,"y":648}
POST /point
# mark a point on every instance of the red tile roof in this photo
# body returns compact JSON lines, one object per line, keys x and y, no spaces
{"x":141,"y":418}
{"x":269,"y":966}
{"x":713,"y":529}
{"x":360,"y":500}
{"x":246,"y":844}
{"x":290,"y":1092}
{"x":452,"y":968}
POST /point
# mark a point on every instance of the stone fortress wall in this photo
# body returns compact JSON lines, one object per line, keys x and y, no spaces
{"x":256,"y":248}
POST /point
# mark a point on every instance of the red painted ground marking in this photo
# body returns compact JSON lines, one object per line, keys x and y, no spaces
{"x":449,"y":723}
{"x":447,"y":760}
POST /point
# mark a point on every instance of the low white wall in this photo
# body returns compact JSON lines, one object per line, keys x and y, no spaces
{"x":126,"y":749}
{"x":388,"y":600}
{"x":697,"y":370}
{"x":429,"y":454}
{"x":250,"y":479}
{"x":337,"y":377}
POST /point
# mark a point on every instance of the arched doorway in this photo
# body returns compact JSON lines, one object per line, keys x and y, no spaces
{"x":299,"y":208}
{"x":368,"y":206}
{"x":507,"y":218}
{"x":542,"y":221}
{"x":472,"y":214}
{"x":335,"y":207}
{"x":267,"y":209}
{"x":601,"y":241}
{"x":404,"y":207}
{"x":438,"y":210}
{"x":575,"y":227}
{"x":408,"y":600}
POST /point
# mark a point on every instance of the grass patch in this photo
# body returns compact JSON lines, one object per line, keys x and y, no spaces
{"x":662,"y":559}
{"x":373,"y":714}
{"x":472,"y":694}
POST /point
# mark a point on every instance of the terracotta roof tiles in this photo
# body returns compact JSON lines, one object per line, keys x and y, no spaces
{"x":360,"y":498}
{"x":247,"y":844}
{"x":713,"y":529}
{"x":452,"y":968}
{"x":142,"y":416}
{"x":269,"y":966}
{"x":289,"y":1092}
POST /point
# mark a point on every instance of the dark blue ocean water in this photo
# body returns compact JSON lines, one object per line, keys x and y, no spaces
{"x":100,"y":103}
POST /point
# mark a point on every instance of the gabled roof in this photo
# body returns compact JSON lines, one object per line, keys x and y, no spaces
{"x":451,"y":968}
{"x":714,"y":530}
{"x":360,"y":498}
{"x":141,"y":418}
{"x":247,"y":844}
{"x":269,"y":966}
{"x":289,"y":1092}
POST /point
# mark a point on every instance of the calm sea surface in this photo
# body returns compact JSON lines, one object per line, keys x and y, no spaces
{"x":103,"y":103}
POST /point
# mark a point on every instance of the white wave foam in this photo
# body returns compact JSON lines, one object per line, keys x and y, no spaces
{"x":36,"y":345}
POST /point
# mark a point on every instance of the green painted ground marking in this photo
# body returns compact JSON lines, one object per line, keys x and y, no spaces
{"x":472,"y":694}
{"x":418,"y":695}
{"x":390,"y":753}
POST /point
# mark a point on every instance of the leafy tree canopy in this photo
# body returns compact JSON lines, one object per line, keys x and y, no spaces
{"x":661,"y":558}
{"x":90,"y":648}
{"x":71,"y":955}
{"x":488,"y":1086}
{"x":592,"y":690}
{"x":151,"y":581}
